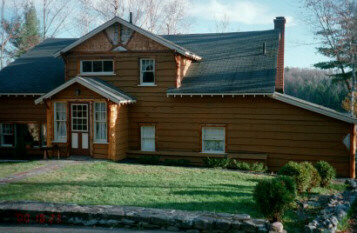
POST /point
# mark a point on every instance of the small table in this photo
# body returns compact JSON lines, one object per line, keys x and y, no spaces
{"x":55,"y":150}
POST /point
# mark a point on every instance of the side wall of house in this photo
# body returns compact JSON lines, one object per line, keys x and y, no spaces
{"x":20,"y":110}
{"x":256,"y":127}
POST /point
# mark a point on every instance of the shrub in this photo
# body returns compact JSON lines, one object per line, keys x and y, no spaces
{"x":241,"y":165}
{"x":274,"y":196}
{"x":258,"y":167}
{"x":177,"y":162}
{"x":300,"y":174}
{"x":217,"y":162}
{"x":314,"y":174}
{"x":152,"y":160}
{"x":326,"y":171}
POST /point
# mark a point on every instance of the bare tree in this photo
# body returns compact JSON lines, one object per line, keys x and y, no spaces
{"x":154,"y":15}
{"x":55,"y":15}
{"x":334,"y":24}
{"x":222,"y":23}
{"x":9,"y":29}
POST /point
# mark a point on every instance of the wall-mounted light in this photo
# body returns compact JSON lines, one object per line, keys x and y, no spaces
{"x":77,"y":92}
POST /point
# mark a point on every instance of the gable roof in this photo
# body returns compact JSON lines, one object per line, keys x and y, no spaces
{"x":35,"y":72}
{"x":313,"y":107}
{"x":169,"y":44}
{"x":232,"y":63}
{"x":96,"y":85}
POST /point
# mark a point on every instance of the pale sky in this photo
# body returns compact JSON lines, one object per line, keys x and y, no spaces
{"x":245,"y":15}
{"x":250,"y":15}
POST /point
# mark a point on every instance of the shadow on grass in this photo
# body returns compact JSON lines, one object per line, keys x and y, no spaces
{"x":193,"y":198}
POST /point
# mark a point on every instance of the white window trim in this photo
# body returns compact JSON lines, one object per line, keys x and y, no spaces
{"x":141,"y":137}
{"x":64,"y":140}
{"x":224,"y":141}
{"x":72,"y":118}
{"x":146,"y":84}
{"x":100,"y":141}
{"x":1,"y":133}
{"x":97,"y":73}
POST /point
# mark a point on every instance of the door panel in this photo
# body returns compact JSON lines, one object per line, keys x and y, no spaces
{"x":84,"y":140}
{"x":75,"y":140}
{"x":80,"y":128}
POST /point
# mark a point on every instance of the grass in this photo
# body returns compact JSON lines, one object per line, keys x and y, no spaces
{"x":182,"y":188}
{"x":7,"y":169}
{"x":140,"y":185}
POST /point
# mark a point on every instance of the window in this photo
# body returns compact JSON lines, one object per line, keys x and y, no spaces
{"x":213,"y":139}
{"x":32,"y":135}
{"x":60,"y":122}
{"x":80,"y":117}
{"x":148,"y":138}
{"x":97,"y":67}
{"x":7,"y":135}
{"x":147,"y":72}
{"x":43,"y":135}
{"x":100,"y":122}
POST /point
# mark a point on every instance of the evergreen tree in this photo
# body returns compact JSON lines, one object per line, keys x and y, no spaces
{"x":29,"y":32}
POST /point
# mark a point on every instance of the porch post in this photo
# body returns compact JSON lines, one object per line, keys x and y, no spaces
{"x":352,"y":152}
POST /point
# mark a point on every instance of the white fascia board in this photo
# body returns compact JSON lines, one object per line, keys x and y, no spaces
{"x":83,"y":82}
{"x":219,"y":94}
{"x":150,"y":35}
{"x":24,"y":94}
{"x":313,"y":107}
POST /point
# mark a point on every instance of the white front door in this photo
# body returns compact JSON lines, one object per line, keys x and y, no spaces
{"x":79,"y":129}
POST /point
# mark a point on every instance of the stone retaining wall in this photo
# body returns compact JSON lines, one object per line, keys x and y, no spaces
{"x":131,"y":217}
{"x":337,"y":208}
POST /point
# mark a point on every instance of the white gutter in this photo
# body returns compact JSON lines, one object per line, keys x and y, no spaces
{"x":218,"y":94}
{"x":24,"y":94}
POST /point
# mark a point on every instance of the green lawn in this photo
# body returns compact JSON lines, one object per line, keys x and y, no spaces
{"x":140,"y":185}
{"x":150,"y":186}
{"x":7,"y":169}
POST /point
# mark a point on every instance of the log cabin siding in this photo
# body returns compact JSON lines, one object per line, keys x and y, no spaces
{"x":21,"y":109}
{"x":260,"y":125}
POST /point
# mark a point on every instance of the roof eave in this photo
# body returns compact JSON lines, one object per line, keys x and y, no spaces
{"x":150,"y":35}
{"x":313,"y":107}
{"x":87,"y":85}
{"x":218,"y":94}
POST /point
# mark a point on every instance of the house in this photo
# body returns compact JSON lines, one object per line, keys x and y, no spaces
{"x":120,"y":91}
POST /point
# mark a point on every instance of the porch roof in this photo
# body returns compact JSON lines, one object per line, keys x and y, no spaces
{"x":96,"y":85}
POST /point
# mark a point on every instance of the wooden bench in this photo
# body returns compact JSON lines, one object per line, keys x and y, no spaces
{"x":55,"y":150}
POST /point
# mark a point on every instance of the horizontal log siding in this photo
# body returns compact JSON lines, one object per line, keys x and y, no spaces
{"x":21,"y":109}
{"x":258,"y":124}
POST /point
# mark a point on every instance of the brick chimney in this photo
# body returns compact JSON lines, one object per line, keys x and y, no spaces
{"x":279,"y":23}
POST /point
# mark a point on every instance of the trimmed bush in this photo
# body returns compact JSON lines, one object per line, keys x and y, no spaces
{"x":217,"y":162}
{"x":300,"y":174}
{"x":258,"y":167}
{"x":274,"y":196}
{"x":151,"y":160}
{"x":326,"y":171}
{"x":244,"y":166}
{"x":314,"y":174}
{"x":241,"y":165}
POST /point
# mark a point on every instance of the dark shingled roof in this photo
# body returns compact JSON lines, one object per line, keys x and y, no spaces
{"x":37,"y":71}
{"x":231,"y":62}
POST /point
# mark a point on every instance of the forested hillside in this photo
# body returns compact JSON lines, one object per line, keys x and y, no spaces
{"x":315,"y":86}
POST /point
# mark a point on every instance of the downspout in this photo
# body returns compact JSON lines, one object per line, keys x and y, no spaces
{"x":352,"y":152}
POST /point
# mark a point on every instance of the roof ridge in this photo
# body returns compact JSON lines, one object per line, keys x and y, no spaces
{"x":218,"y":33}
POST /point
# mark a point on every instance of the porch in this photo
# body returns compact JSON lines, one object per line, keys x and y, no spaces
{"x":87,"y":117}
